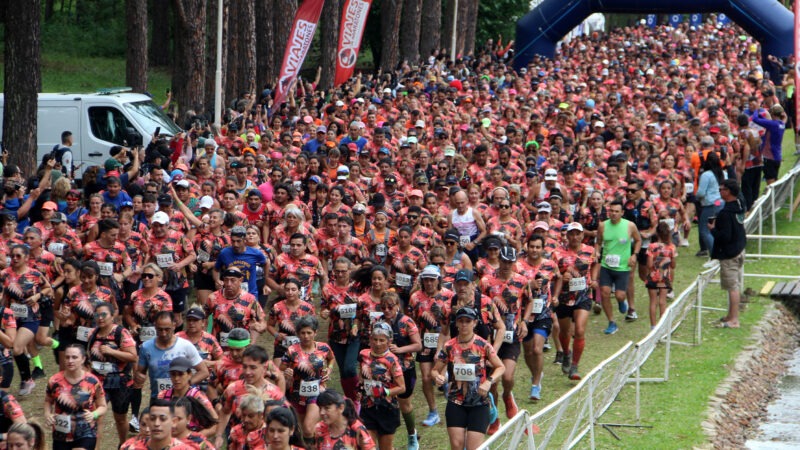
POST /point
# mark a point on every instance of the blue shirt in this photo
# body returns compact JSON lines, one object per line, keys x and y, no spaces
{"x":157,"y":361}
{"x":247,"y":261}
{"x":708,"y":189}
{"x":360,"y":143}
{"x":13,"y":205}
{"x":117,"y":201}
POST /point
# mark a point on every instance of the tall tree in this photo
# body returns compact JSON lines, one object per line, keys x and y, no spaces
{"x":410,"y":30}
{"x":241,"y":68}
{"x":23,"y":81}
{"x":390,"y":29}
{"x":283,"y":18}
{"x":266,"y":73}
{"x":49,"y":6}
{"x":447,"y":25}
{"x":471,"y":22}
{"x":136,"y":50}
{"x":430,"y":28}
{"x":189,"y":69}
{"x":329,"y":41}
{"x":160,"y":45}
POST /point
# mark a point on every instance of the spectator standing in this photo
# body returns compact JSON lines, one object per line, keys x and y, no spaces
{"x":729,"y":242}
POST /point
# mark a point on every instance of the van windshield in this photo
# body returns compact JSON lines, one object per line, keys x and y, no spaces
{"x":150,"y":117}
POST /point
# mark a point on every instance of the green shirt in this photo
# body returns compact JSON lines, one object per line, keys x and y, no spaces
{"x":617,"y":244}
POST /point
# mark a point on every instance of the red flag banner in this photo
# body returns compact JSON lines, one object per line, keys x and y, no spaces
{"x":796,"y":60}
{"x":354,"y":17}
{"x":305,"y":24}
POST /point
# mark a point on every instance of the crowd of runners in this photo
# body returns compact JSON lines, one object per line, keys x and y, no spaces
{"x":438,"y":222}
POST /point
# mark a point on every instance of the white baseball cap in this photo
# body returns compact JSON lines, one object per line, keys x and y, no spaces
{"x":574,"y":226}
{"x":206,"y":202}
{"x":160,"y":217}
{"x":550,"y":175}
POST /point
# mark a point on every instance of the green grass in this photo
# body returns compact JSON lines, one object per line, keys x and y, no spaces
{"x":65,"y":73}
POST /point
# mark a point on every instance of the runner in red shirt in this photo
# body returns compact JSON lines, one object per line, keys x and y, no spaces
{"x":577,"y":264}
{"x":307,"y":366}
{"x":340,"y":427}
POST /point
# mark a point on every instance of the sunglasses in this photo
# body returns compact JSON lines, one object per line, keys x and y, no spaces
{"x":148,"y":276}
{"x":412,"y":217}
{"x":388,"y":306}
{"x":505,"y":206}
{"x":101,"y":315}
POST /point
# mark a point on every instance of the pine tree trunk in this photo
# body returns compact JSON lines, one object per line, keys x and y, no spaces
{"x":329,"y":41}
{"x":390,"y":29}
{"x":49,"y":7}
{"x":160,"y":45}
{"x":211,"y":53}
{"x":247,"y":36}
{"x":189,"y":70}
{"x":430,"y":28}
{"x":233,"y":41}
{"x":463,"y":12}
{"x":471,"y":19}
{"x":136,"y":50}
{"x":23,"y":81}
{"x":447,"y":26}
{"x":410,"y":31}
{"x":266,"y":73}
{"x":283,"y":18}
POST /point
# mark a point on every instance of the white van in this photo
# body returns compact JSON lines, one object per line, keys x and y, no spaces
{"x":97,"y":122}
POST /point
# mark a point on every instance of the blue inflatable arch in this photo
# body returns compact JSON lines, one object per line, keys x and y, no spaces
{"x":767,"y":21}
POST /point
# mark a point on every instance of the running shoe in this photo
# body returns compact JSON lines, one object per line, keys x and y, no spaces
{"x":612,"y":328}
{"x":623,"y":306}
{"x":565,"y":362}
{"x":536,"y":392}
{"x":684,"y":242}
{"x":511,"y":406}
{"x":559,"y":358}
{"x":546,"y":347}
{"x":413,"y":442}
{"x":711,"y":263}
{"x":701,"y":253}
{"x":26,"y":388}
{"x":133,"y":425}
{"x":493,"y":427}
{"x":432,"y":419}
{"x":573,"y":373}
{"x":37,"y":373}
{"x":596,"y":308}
{"x":632,"y":316}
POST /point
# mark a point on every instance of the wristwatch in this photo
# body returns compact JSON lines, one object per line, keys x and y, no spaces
{"x":490,"y":379}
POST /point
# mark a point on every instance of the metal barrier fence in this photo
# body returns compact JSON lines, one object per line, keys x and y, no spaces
{"x":566,"y":421}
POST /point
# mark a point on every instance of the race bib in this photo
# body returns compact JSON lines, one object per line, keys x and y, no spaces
{"x":612,"y":260}
{"x":102,"y":368}
{"x":403,"y":280}
{"x":538,"y":305}
{"x":347,"y":311}
{"x":309,"y":388}
{"x":147,"y":333}
{"x":689,"y":188}
{"x":106,"y":269}
{"x":56,"y":248}
{"x":288,"y":341}
{"x":508,"y":337}
{"x":165,"y":260}
{"x":163,"y":384}
{"x":245,"y":286}
{"x":374,"y":316}
{"x":381,"y":250}
{"x":223,"y":339}
{"x":370,"y":385}
{"x":83,"y":334}
{"x":464,"y":372}
{"x":577,"y":284}
{"x":464,"y":240}
{"x":63,"y":423}
{"x":430,"y":340}
{"x":19,"y":310}
{"x":203,"y":256}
